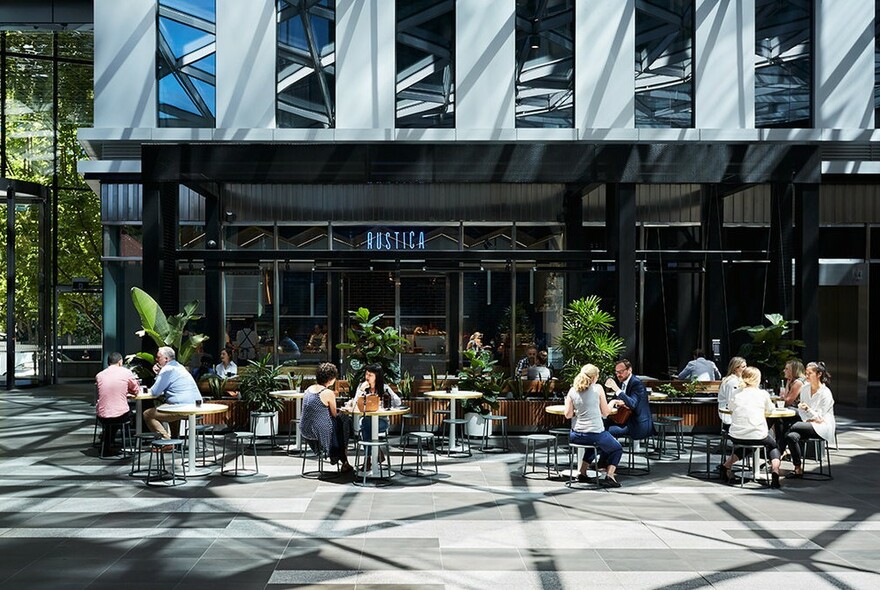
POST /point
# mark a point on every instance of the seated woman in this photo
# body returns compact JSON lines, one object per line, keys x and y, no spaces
{"x":748,"y":426}
{"x":226,"y":367}
{"x":585,"y":405}
{"x":320,"y":424}
{"x":816,"y":413}
{"x":374,"y":384}
{"x":728,"y":388}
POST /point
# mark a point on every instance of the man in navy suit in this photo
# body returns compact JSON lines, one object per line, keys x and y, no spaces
{"x":631,"y":391}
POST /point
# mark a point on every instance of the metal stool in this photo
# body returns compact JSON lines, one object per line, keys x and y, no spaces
{"x":464,"y":441}
{"x":439,"y":417}
{"x":574,"y":464}
{"x":421,"y":438}
{"x":532,"y":441}
{"x":710,"y":442}
{"x":320,"y":454}
{"x":127,"y":443}
{"x":162,"y":472}
{"x":677,"y":432}
{"x":629,"y":449}
{"x":661,"y":425}
{"x":418,"y":419}
{"x":487,"y":421}
{"x":560,"y":432}
{"x":368,"y":446}
{"x":750,"y":453}
{"x":290,"y":436}
{"x":820,"y":448}
{"x":240,"y":442}
{"x":141,"y":442}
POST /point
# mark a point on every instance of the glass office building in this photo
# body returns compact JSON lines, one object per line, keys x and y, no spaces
{"x":474,"y":165}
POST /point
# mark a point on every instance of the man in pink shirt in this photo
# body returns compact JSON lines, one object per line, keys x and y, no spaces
{"x":114,"y":384}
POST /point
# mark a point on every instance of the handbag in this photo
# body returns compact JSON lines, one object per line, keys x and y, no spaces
{"x":368,"y":403}
{"x":622,"y":415}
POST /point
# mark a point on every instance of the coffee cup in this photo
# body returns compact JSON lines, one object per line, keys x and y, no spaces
{"x":780,"y":404}
{"x":198,"y":403}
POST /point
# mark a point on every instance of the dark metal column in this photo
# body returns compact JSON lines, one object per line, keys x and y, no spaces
{"x":714,"y":297}
{"x":215,"y":308}
{"x":160,"y":243}
{"x":621,"y":226}
{"x":807,"y":267}
{"x":453,"y":321}
{"x":10,"y":286}
{"x":778,"y":297}
{"x":575,"y":240}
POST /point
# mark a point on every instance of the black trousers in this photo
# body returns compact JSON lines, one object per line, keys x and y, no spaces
{"x":110,"y":428}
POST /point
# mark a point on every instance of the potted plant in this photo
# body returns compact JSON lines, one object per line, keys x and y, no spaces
{"x":163,"y":330}
{"x":587,"y":337}
{"x":256,"y":386}
{"x":215,"y":384}
{"x":367,"y":343}
{"x":479,"y":374}
{"x":770,"y":347}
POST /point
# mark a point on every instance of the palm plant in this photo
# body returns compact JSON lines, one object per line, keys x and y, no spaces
{"x":770,"y":347}
{"x":587,"y":337}
{"x":257,"y":385}
{"x":368,"y":343}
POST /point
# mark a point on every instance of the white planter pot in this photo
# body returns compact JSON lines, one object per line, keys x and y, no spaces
{"x":475,"y":425}
{"x":262,"y":424}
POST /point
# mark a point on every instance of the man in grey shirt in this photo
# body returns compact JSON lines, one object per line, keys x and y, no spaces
{"x":176,"y":383}
{"x":700,"y":368}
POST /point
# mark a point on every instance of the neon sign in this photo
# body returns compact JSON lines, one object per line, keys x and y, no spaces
{"x":395,"y":240}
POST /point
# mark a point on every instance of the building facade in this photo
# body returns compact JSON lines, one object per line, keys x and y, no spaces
{"x":474,"y":165}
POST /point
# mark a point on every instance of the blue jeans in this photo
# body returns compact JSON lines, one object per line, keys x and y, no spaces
{"x":367,"y":427}
{"x":609,"y":449}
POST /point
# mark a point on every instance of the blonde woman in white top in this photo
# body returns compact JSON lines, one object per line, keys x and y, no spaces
{"x":585,"y":406}
{"x":816,"y":413}
{"x":729,"y":386}
{"x":748,"y":410}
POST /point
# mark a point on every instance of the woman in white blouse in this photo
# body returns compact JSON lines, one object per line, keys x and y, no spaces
{"x":748,"y":411}
{"x":729,"y":386}
{"x":816,"y":413}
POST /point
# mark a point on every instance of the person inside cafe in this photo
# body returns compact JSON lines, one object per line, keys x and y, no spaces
{"x":585,"y":406}
{"x":700,"y":368}
{"x":523,"y":364}
{"x":205,"y":368}
{"x":226,"y":368}
{"x":287,"y":347}
{"x":795,"y":376}
{"x":475,"y":343}
{"x":539,"y":371}
{"x":374,"y":384}
{"x":630,"y":391}
{"x":317,"y":341}
{"x":728,"y":388}
{"x":816,"y":413}
{"x":325,"y":429}
{"x":748,"y":426}
{"x":114,"y":385}
{"x":177,"y":386}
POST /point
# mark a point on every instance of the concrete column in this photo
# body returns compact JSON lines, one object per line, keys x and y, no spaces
{"x":724,"y":54}
{"x":365,"y":78}
{"x":125,"y":63}
{"x":246,"y":41}
{"x":485,"y":42}
{"x":604,"y":86}
{"x":844,"y":61}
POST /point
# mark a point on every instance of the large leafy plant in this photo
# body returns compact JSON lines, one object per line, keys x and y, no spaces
{"x":256,"y":385}
{"x":368,"y":343}
{"x":164,"y":330}
{"x":770,"y":347}
{"x":587,"y":337}
{"x":479,"y":374}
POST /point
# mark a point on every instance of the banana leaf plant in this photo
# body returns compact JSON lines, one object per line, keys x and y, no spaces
{"x":164,"y":330}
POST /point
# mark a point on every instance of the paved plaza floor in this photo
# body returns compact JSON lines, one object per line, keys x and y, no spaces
{"x":69,"y":520}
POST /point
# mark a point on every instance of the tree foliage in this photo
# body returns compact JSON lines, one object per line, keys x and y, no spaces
{"x":367,"y":342}
{"x":587,"y":337}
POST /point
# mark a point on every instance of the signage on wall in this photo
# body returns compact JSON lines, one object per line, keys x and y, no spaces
{"x":395,"y":240}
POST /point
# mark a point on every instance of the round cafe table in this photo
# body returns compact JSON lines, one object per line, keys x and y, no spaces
{"x":287,"y":394}
{"x":139,"y":409}
{"x":451,"y":396}
{"x":192,"y":410}
{"x":374,"y":427}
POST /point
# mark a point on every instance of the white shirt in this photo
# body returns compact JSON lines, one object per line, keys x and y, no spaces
{"x":729,"y":387}
{"x":821,"y":406}
{"x":749,"y":409}
{"x":229,"y":371}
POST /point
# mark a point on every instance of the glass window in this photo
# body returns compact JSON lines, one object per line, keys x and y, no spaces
{"x":247,"y":237}
{"x":306,"y":64}
{"x":425,"y":63}
{"x":303,"y":238}
{"x":486,"y":304}
{"x":483,"y":237}
{"x":664,"y":63}
{"x":29,"y":113}
{"x":545,"y":63}
{"x":783,"y":68}
{"x":186,"y":52}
